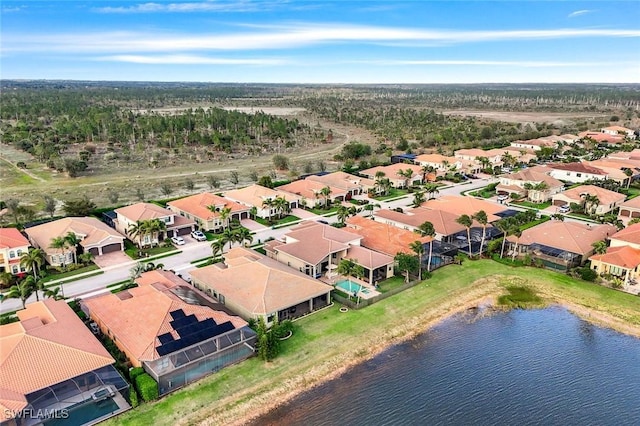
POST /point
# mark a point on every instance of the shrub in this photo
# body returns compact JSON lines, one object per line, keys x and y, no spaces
{"x":147,"y":387}
{"x":133,"y":397}
{"x":135,"y":372}
{"x":587,"y":274}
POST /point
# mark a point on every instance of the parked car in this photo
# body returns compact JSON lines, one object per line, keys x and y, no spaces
{"x":179,"y":241}
{"x":94,"y":328}
{"x":198,"y":236}
{"x":503,"y":197}
{"x":323,"y":221}
{"x":564,"y":209}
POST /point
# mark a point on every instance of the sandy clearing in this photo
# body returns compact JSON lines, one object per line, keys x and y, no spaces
{"x":524,"y":117}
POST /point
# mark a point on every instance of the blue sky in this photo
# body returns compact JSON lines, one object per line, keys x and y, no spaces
{"x":280,"y":41}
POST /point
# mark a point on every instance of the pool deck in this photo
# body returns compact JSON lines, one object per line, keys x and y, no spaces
{"x":371,"y":290}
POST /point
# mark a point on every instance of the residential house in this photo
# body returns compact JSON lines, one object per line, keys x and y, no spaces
{"x":316,"y":249}
{"x":606,"y":200}
{"x":95,"y":237}
{"x":624,"y":171}
{"x":127,"y":217}
{"x":630,"y":209}
{"x":172,"y":330}
{"x":392,"y":171}
{"x":576,"y":172}
{"x":354,"y":185}
{"x":199,"y":209}
{"x":254,"y":286}
{"x":310,"y":192}
{"x":622,"y":262}
{"x":443,"y":164}
{"x":533,"y":183}
{"x":619,"y":130}
{"x":256,"y":196}
{"x":629,"y":236}
{"x":626,"y":155}
{"x":558,"y":244}
{"x":600,"y":137}
{"x":382,"y":237}
{"x":50,"y":362}
{"x":12,"y":245}
{"x":535,"y":144}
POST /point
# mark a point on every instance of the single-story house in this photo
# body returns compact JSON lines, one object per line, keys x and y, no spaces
{"x":534,"y":144}
{"x":630,"y":209}
{"x":256,"y":195}
{"x":622,"y":262}
{"x":392,"y":171}
{"x":95,"y":237}
{"x":175,"y":332}
{"x":444,"y":164}
{"x":533,"y":183}
{"x":310,"y":192}
{"x":354,"y":185}
{"x":128,"y":216}
{"x":197,"y":208}
{"x":629,"y":236}
{"x":316,"y":249}
{"x":12,"y":245}
{"x":600,"y":137}
{"x":559,"y":245}
{"x":576,"y":172}
{"x":49,"y":362}
{"x":619,"y":130}
{"x":607,"y":200}
{"x":382,"y":237}
{"x":254,"y":286}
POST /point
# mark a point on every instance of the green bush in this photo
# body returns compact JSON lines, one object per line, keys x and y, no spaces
{"x":147,"y":387}
{"x":587,"y":274}
{"x":135,"y":372}
{"x":133,"y":397}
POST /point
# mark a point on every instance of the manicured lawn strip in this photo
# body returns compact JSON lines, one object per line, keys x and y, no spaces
{"x":535,"y":223}
{"x":391,"y":283}
{"x":393,"y":193}
{"x":58,"y":275}
{"x":132,"y":251}
{"x":538,"y":206}
{"x":322,"y":341}
{"x":284,"y":220}
{"x":119,"y":283}
{"x":160,"y":256}
{"x":204,"y":259}
{"x":322,"y":211}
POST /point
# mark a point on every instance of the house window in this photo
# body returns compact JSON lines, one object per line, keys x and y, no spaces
{"x":19,"y":252}
{"x":270,"y":318}
{"x":579,"y":174}
{"x":12,"y":254}
{"x":15,"y":269}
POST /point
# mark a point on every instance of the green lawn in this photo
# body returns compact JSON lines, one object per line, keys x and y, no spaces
{"x":390,"y":283}
{"x":276,"y":222}
{"x":132,"y":250}
{"x":53,"y":275}
{"x":393,"y":193}
{"x":327,"y":339}
{"x":539,"y":206}
{"x":322,"y":211}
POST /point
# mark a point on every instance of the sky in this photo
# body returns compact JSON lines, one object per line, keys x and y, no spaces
{"x":308,"y":41}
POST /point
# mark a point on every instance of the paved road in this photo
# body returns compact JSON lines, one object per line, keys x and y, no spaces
{"x":181,"y":262}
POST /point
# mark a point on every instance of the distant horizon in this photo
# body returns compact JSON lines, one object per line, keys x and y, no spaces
{"x":322,"y":41}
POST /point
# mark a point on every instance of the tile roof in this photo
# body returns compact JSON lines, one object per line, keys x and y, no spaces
{"x":601,"y":137}
{"x":578,"y":168}
{"x":535,"y":174}
{"x":49,"y":345}
{"x":368,"y":258}
{"x":625,"y":256}
{"x":443,"y":222}
{"x":12,"y":238}
{"x":197,"y":205}
{"x":605,"y":196}
{"x":143,"y":211}
{"x":617,"y":129}
{"x":137,"y":317}
{"x":255,"y":195}
{"x":572,"y":237}
{"x":343,"y":180}
{"x":630,"y":234}
{"x":258,"y":284}
{"x":311,"y":241}
{"x":383,"y":238}
{"x":92,"y":231}
{"x":633,"y":203}
{"x":391,"y":171}
{"x":460,"y":205}
{"x":310,"y":189}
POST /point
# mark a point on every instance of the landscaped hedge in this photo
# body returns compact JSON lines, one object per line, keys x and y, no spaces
{"x":135,"y":372}
{"x":133,"y":397}
{"x":147,"y":387}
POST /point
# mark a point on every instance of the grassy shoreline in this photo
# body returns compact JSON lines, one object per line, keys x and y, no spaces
{"x":326,"y":344}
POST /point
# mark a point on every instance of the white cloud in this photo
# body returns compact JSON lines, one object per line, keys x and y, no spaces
{"x":579,"y":13}
{"x":446,"y":62}
{"x":204,"y":6}
{"x":283,"y":38}
{"x":190,"y":60}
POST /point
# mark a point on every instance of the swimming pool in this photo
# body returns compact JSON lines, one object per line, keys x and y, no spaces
{"x":351,"y":287}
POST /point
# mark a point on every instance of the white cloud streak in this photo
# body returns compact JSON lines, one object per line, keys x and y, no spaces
{"x":295,"y":36}
{"x":189,"y":7}
{"x":524,"y":64}
{"x":190,"y":60}
{"x":579,"y":13}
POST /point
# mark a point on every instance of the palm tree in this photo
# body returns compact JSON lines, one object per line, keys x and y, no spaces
{"x":85,"y":258}
{"x":243,"y":234}
{"x":426,"y":169}
{"x":282,"y":206}
{"x":60,"y":243}
{"x":426,"y":229}
{"x":22,"y":291}
{"x":138,"y":230}
{"x":431,"y":189}
{"x":508,"y":159}
{"x":505,"y":226}
{"x":73,"y":241}
{"x":225,"y":212}
{"x":591,"y":203}
{"x":343,"y":213}
{"x":418,"y":249}
{"x":155,"y":227}
{"x":466,"y":221}
{"x":418,"y":198}
{"x":253,"y":212}
{"x":33,"y":261}
{"x":599,"y":247}
{"x":481,"y":218}
{"x":230,"y":236}
{"x":326,"y":192}
{"x":53,"y":293}
{"x":217,"y":247}
{"x":36,"y":284}
{"x":269,"y":203}
{"x":485,"y":163}
{"x":516,"y":232}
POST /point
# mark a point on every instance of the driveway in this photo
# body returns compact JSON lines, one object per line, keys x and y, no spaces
{"x":303,"y":214}
{"x":252,"y":225}
{"x":111,"y":259}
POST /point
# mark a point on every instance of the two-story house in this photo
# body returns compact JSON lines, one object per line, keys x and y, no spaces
{"x":12,"y":245}
{"x":130,"y":217}
{"x":260,"y":197}
{"x":535,"y":184}
{"x":211,"y":212}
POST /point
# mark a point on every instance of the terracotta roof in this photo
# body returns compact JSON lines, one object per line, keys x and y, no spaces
{"x":383,"y":238}
{"x":627,"y":155}
{"x":460,"y":205}
{"x":572,"y":237}
{"x":310,"y":189}
{"x":474,"y":152}
{"x":617,"y":129}
{"x":578,"y":168}
{"x":633,"y":203}
{"x":137,"y":317}
{"x":436,"y":158}
{"x":92,"y":231}
{"x":624,"y":256}
{"x":311,"y":241}
{"x":630,"y":234}
{"x":12,"y":238}
{"x":258,"y":284}
{"x":443,"y":222}
{"x":391,"y":171}
{"x":255,"y":195}
{"x":601,"y":137}
{"x":143,"y":211}
{"x":197,"y":205}
{"x":605,"y":196}
{"x":343,"y":180}
{"x":368,"y":258}
{"x":535,"y":142}
{"x":49,"y":345}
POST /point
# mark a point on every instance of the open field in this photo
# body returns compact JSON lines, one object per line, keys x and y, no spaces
{"x":326,"y":344}
{"x":528,"y":117}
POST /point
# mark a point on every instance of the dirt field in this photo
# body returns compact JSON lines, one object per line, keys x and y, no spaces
{"x":526,"y":117}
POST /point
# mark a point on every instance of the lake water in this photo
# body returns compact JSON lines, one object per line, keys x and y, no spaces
{"x":531,"y":367}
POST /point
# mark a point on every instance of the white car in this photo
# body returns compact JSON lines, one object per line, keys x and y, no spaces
{"x":503,"y":197}
{"x":198,"y":236}
{"x":564,"y":209}
{"x":179,"y":241}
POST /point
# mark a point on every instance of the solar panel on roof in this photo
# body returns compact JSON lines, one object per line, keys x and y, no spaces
{"x":165,"y":338}
{"x":178,"y":313}
{"x":191,"y":331}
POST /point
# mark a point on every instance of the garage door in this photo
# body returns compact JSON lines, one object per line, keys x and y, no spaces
{"x":559,"y":202}
{"x":110,"y":248}
{"x":94,"y":251}
{"x":184,"y":231}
